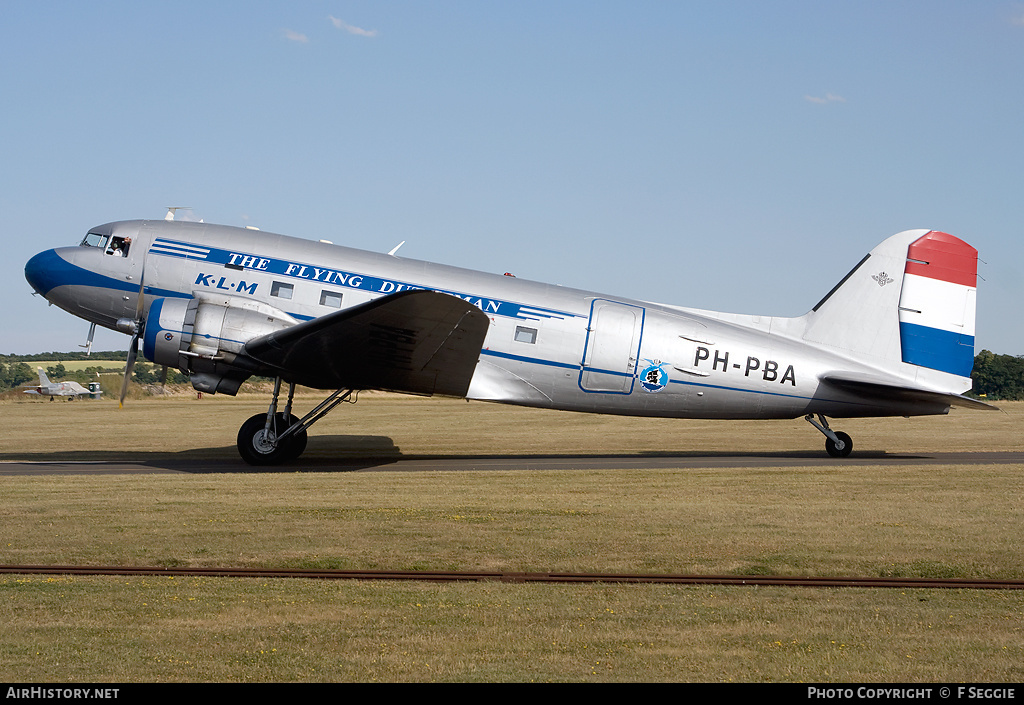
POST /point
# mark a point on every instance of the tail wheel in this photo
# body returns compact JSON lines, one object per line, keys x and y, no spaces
{"x":258,"y":446}
{"x":841,"y":450}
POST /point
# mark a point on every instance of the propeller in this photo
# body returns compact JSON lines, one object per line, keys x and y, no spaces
{"x":135,"y":327}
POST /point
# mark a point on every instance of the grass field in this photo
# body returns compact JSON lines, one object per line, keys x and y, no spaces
{"x":830,"y":520}
{"x":379,"y":424}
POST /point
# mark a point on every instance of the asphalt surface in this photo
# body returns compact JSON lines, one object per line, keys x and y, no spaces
{"x":193,"y":466}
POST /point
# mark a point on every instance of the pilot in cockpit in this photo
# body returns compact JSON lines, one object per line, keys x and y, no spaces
{"x":119,"y":246}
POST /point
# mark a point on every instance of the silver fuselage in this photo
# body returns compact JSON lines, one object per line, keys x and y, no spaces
{"x":546,"y":346}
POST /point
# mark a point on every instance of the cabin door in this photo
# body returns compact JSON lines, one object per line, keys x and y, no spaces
{"x":612,"y":347}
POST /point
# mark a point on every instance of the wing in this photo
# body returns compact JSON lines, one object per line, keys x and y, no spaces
{"x":421,"y":342}
{"x":878,"y":389}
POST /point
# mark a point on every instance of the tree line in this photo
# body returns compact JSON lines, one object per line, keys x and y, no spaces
{"x":998,"y":377}
{"x":18,"y":370}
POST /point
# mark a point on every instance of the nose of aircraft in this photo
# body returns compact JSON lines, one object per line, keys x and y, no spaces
{"x":43,"y":271}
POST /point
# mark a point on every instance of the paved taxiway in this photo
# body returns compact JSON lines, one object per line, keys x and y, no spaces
{"x":182,"y":466}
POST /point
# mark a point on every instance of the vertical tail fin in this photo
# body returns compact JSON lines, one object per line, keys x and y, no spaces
{"x":43,"y":380}
{"x":910,"y":301}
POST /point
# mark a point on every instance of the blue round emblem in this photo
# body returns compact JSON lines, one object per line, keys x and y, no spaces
{"x":653,"y":378}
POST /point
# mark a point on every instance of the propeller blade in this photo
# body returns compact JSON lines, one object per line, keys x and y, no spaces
{"x":133,"y":351}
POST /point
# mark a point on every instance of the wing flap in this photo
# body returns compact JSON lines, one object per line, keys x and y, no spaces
{"x":420,"y":342}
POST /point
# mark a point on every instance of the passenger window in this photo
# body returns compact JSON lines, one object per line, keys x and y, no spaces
{"x":281,"y":290}
{"x":330,"y":298}
{"x":526,"y":335}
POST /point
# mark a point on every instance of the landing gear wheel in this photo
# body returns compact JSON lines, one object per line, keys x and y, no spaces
{"x":839,"y":452}
{"x":257,"y":446}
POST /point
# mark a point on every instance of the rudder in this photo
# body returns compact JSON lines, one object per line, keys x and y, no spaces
{"x":937,"y":304}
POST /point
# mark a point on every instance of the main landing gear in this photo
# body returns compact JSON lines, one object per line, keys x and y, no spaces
{"x":837,"y":443}
{"x":279,"y":437}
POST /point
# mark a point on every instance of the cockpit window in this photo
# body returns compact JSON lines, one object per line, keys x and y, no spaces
{"x":94,"y":240}
{"x":118,"y":246}
{"x":111,"y":244}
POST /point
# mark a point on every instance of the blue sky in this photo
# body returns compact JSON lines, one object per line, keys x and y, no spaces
{"x":736,"y":156}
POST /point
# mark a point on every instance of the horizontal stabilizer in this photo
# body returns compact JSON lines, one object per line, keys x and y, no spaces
{"x":878,"y":389}
{"x":420,"y":342}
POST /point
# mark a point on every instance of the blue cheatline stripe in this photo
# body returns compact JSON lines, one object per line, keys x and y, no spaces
{"x":569,"y":366}
{"x":613,"y":373}
{"x":744,"y":391}
{"x":937,"y":349}
{"x":532,"y":360}
{"x":552,"y":363}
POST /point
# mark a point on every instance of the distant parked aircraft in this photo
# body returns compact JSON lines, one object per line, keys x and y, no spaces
{"x":57,"y":389}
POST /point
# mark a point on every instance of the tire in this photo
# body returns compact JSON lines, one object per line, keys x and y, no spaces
{"x":254,"y":448}
{"x":836,"y":452}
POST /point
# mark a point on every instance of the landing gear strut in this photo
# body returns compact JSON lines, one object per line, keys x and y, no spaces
{"x":837,"y":443}
{"x":279,"y":437}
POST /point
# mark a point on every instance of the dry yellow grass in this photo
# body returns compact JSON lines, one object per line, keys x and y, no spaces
{"x":832,"y":519}
{"x":108,"y":630}
{"x":924,"y":521}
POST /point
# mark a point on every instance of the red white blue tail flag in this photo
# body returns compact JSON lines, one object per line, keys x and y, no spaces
{"x":937,"y":304}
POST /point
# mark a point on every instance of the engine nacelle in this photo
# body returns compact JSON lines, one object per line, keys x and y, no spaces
{"x":202,"y":336}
